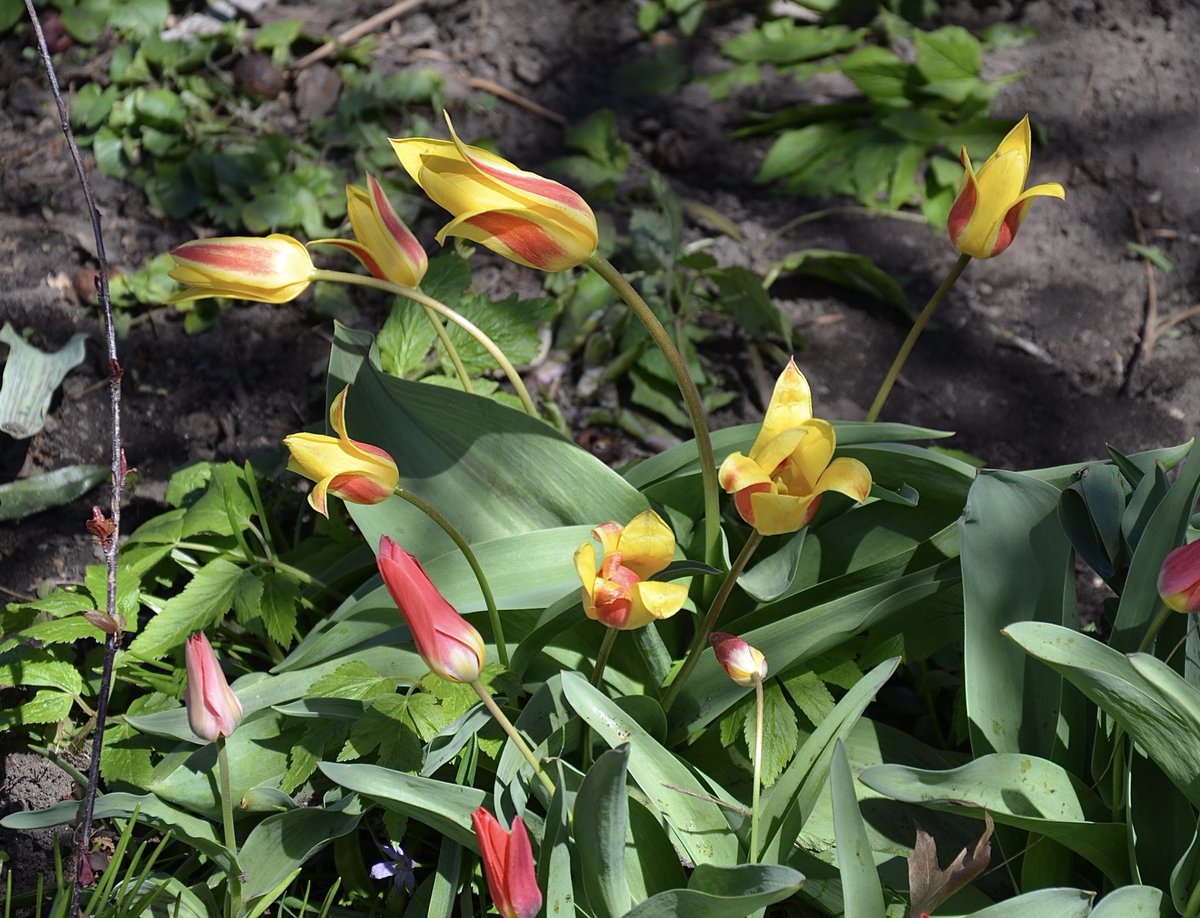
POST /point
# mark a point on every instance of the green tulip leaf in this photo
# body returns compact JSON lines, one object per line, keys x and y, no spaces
{"x":30,"y":380}
{"x":723,"y":892}
{"x":861,"y":892}
{"x":601,"y":823}
{"x":27,"y":496}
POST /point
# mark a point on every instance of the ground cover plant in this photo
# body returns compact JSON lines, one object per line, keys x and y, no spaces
{"x":409,"y":689}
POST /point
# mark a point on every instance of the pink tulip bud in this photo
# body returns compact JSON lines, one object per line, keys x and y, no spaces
{"x":1179,"y":579}
{"x":212,"y":707}
{"x":745,"y":664}
{"x":447,"y":643}
{"x":508,"y":866}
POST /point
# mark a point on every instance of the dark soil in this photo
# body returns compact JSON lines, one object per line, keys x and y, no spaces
{"x":1031,"y":360}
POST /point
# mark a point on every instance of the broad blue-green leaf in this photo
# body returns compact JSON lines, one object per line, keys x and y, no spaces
{"x":1041,"y":903}
{"x":1130,"y":902}
{"x":1018,"y":790}
{"x":554,"y":853}
{"x":862,"y":894}
{"x":723,"y":892}
{"x":281,"y":843}
{"x":441,"y":806}
{"x":696,"y":825}
{"x":492,"y":471}
{"x":601,"y":821}
{"x":200,"y":834}
{"x":1017,"y":565}
{"x":1157,"y":709}
{"x":27,"y":496}
{"x":786,"y":808}
{"x":30,"y":380}
{"x":1139,"y":599}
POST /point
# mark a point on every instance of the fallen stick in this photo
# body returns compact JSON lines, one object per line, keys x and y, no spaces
{"x":354,"y":33}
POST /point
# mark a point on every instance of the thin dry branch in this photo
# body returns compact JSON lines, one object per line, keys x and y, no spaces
{"x":354,"y":33}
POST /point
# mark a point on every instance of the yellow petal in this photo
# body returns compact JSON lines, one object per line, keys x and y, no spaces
{"x":791,"y":405}
{"x":653,"y":600}
{"x":739,"y":471}
{"x":1018,"y":140}
{"x":775,"y":514}
{"x":585,"y":567}
{"x":779,"y":449}
{"x":608,"y":535}
{"x":318,"y":497}
{"x":1046,"y":190}
{"x":846,"y":476}
{"x":647,"y":544}
{"x":811,"y":457}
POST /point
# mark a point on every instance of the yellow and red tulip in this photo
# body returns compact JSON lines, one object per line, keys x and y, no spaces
{"x":213,"y":709}
{"x":744,"y":664}
{"x":382,"y":242}
{"x":508,"y":865}
{"x":619,"y":595}
{"x":992,"y":202}
{"x":356,"y":472}
{"x":526,"y":218}
{"x":274,"y":269}
{"x":1179,"y":579}
{"x":777,"y":488}
{"x":446,"y":641}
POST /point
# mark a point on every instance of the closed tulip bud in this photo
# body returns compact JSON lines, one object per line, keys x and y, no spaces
{"x":992,"y":202}
{"x":619,"y":595}
{"x":508,"y":866}
{"x":275,"y":269}
{"x":447,"y":643}
{"x":382,"y":242}
{"x":777,"y":487}
{"x":745,"y":664}
{"x":213,"y":709}
{"x":1179,"y":579}
{"x":356,"y":472}
{"x":526,"y":218}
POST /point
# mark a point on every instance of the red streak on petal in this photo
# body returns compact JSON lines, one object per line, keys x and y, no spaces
{"x":1009,"y":227}
{"x":522,"y":236}
{"x":534,"y":184}
{"x":392,"y":222}
{"x":242,"y":259}
{"x":960,"y":213}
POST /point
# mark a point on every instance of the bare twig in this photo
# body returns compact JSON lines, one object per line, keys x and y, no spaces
{"x":354,"y":33}
{"x":110,"y":530}
{"x":1150,"y":319}
{"x":509,"y":95}
{"x":1175,"y":318}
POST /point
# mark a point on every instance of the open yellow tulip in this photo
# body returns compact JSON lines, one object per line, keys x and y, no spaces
{"x":992,"y":202}
{"x":526,"y":218}
{"x":777,"y":487}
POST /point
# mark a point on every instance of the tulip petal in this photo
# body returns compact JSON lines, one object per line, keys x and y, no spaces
{"x":964,"y":204}
{"x":647,"y":544}
{"x":493,"y":847}
{"x":846,"y":476}
{"x":775,"y":514}
{"x":400,"y":251}
{"x":738,"y":472}
{"x":778,"y":450}
{"x":654,"y":599}
{"x":609,"y":536}
{"x":515,"y":234}
{"x":520,"y":874}
{"x":318,"y":496}
{"x":811,"y":457}
{"x":791,"y":405}
{"x":1017,"y":140}
{"x":585,"y":567}
{"x":359,"y":251}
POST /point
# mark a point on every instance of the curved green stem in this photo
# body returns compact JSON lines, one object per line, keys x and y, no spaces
{"x":441,"y":309}
{"x":606,"y":646}
{"x":700,"y":641}
{"x":234,"y":893}
{"x":758,"y":743}
{"x":494,"y":709}
{"x":451,"y":351}
{"x":448,"y":528}
{"x":1155,"y":626}
{"x":919,"y":326}
{"x":687,"y":388}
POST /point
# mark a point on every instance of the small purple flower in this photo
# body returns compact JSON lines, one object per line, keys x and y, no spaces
{"x":395,"y":864}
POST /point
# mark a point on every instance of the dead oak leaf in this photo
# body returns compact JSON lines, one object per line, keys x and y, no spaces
{"x":928,"y":885}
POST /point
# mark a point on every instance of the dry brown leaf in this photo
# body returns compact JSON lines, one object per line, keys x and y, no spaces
{"x":928,"y":885}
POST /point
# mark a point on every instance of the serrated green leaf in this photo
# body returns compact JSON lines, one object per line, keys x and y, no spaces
{"x":743,"y":298}
{"x":62,"y":631}
{"x":405,"y":339}
{"x":320,"y":736}
{"x":49,"y":673}
{"x":128,"y":589}
{"x":280,"y":607}
{"x":511,"y":323}
{"x":353,"y":679}
{"x":46,"y":707}
{"x":949,"y":53}
{"x":207,"y":597}
{"x":780,"y":733}
{"x":247,"y":597}
{"x":811,"y":696}
{"x":733,"y":722}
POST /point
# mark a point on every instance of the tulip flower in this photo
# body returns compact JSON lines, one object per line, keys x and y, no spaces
{"x":385,"y":246}
{"x":745,"y":664}
{"x":528,"y":219}
{"x":1179,"y":579}
{"x":508,"y":866}
{"x":356,"y":472}
{"x":447,"y":643}
{"x":213,"y":709}
{"x":778,"y":486}
{"x":992,"y":202}
{"x":276,"y":269}
{"x":620,"y":596}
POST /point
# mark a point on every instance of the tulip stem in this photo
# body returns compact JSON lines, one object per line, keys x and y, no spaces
{"x":494,"y":709}
{"x":606,"y":646}
{"x":443,"y":310}
{"x":488,"y":599}
{"x":1155,"y":626}
{"x":758,"y":742}
{"x":919,"y":326}
{"x":451,"y":351}
{"x":234,"y":895}
{"x":700,"y":641}
{"x":687,"y":388}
